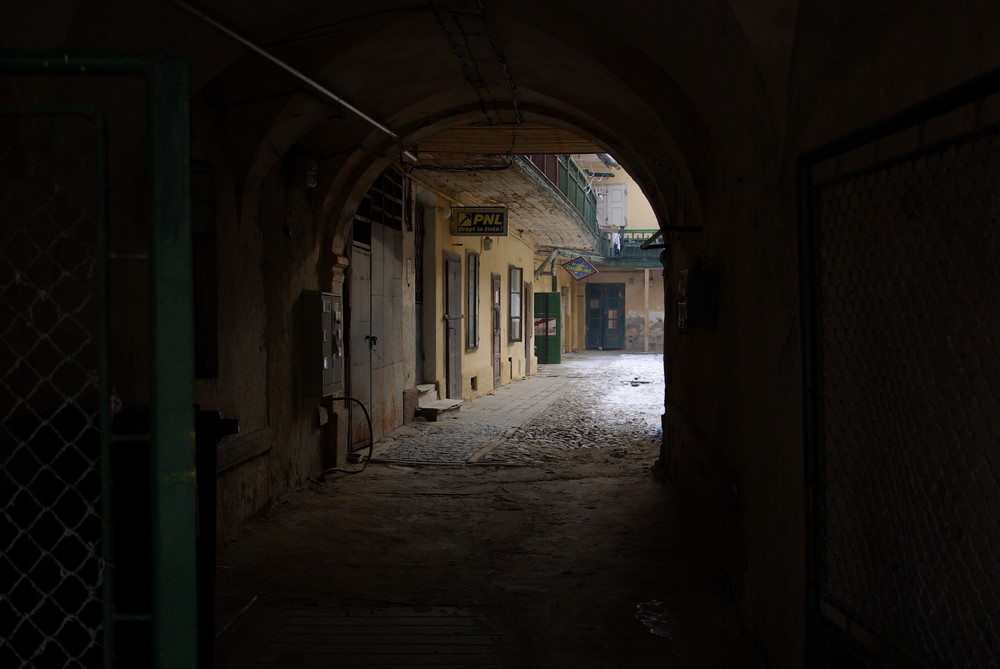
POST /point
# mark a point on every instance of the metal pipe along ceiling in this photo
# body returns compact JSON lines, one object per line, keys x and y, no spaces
{"x":312,"y":83}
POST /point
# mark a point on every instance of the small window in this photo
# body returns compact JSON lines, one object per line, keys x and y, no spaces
{"x":472,"y":320}
{"x":514,"y":324}
{"x":612,"y":319}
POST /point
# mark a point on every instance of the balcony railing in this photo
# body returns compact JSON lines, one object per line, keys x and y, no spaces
{"x":630,"y":243}
{"x":571,"y":182}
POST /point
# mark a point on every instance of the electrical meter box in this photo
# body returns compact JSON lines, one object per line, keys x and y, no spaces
{"x":321,"y":343}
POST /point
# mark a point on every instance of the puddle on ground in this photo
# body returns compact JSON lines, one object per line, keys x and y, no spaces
{"x":657,"y":618}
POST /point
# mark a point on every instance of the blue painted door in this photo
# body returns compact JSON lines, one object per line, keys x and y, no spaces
{"x":605,"y":316}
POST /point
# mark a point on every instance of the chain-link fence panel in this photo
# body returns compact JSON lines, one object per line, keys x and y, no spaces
{"x":51,"y":600}
{"x":907,"y":508}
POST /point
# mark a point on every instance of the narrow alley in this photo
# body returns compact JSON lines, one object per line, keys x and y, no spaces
{"x":529,"y":529}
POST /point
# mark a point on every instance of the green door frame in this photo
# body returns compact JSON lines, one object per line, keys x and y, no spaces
{"x":173,"y":614}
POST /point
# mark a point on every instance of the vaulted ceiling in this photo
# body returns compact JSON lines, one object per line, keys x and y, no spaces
{"x":662,"y":86}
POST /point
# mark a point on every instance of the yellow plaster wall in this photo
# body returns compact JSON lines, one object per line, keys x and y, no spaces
{"x":495,"y":257}
{"x":640,"y":214}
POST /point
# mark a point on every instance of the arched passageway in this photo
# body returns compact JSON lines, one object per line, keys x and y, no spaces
{"x":711,"y":108}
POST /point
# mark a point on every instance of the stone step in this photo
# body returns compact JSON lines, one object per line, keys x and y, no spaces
{"x":427,"y":401}
{"x":427,"y":394}
{"x":435,"y":409}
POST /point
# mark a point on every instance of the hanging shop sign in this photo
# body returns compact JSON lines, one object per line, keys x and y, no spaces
{"x":579,"y":267}
{"x":483,"y":221}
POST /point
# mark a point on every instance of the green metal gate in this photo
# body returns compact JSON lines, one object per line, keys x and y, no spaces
{"x":97,"y":527}
{"x":901,"y":319}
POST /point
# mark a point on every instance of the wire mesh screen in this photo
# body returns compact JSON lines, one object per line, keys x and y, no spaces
{"x":50,"y":462}
{"x":909,"y":303}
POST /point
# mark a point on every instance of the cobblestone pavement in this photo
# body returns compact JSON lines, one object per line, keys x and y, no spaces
{"x":592,"y":399}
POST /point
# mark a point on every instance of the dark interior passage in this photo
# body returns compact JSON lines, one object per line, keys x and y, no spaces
{"x":554,"y":562}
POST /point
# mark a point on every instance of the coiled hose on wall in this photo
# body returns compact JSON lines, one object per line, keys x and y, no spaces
{"x":371,"y":440}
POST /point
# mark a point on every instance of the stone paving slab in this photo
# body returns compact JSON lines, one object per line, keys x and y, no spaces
{"x":467,"y":434}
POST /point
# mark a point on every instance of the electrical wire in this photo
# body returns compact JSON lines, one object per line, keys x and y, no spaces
{"x":371,"y":440}
{"x":475,"y":81}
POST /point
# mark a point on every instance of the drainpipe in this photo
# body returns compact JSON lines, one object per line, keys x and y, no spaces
{"x":541,"y":268}
{"x":645,"y":324}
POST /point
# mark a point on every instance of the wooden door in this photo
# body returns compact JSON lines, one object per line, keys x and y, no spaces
{"x":617,"y":205}
{"x":386,"y":337}
{"x":453,"y":325}
{"x":529,"y":332}
{"x":419,"y":235}
{"x":547,"y":328}
{"x":359,"y":353}
{"x":614,"y":317}
{"x":594,"y":337}
{"x":495,"y":292}
{"x":605,"y":316}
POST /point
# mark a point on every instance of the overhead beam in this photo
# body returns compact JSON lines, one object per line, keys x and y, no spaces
{"x":507,"y":138}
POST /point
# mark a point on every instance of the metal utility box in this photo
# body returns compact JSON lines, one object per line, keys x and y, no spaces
{"x":321,"y":342}
{"x":548,"y":328}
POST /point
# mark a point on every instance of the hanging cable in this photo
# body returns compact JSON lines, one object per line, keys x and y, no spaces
{"x":503,"y":63}
{"x":371,"y":440}
{"x":456,"y":35}
{"x":474,"y":79}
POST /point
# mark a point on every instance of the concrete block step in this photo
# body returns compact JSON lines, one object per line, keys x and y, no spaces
{"x":435,"y":409}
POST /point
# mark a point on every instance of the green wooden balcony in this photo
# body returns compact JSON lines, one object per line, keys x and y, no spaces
{"x":628,"y":252}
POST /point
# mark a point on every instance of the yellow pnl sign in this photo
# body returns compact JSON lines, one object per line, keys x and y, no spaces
{"x":479,"y":221}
